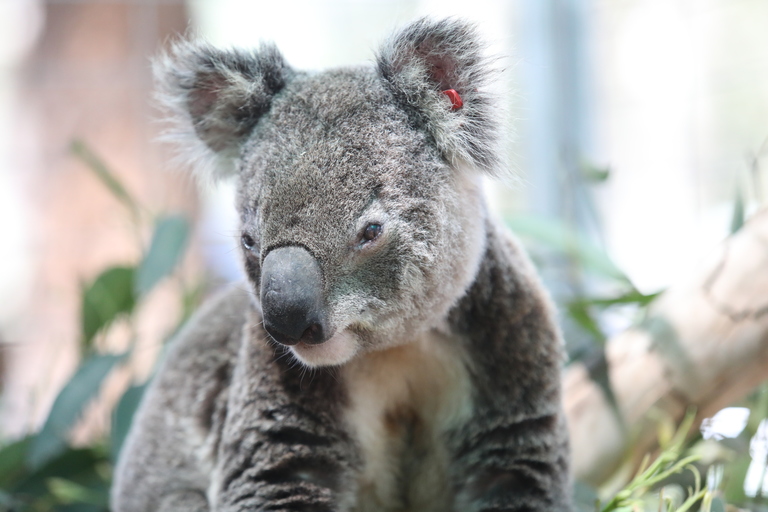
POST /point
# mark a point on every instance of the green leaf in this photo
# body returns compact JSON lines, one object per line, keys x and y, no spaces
{"x":584,"y":497}
{"x":168,"y":243}
{"x":12,"y":458}
{"x":580,"y":313}
{"x":101,"y":171}
{"x":758,"y":403}
{"x":594,"y":173}
{"x":84,"y":466}
{"x":123,"y":415}
{"x":557,"y":236}
{"x":108,"y":297}
{"x":68,"y":492}
{"x":733,"y":481}
{"x":81,"y":507}
{"x":7,"y":502}
{"x":68,"y":406}
{"x":717,"y":505}
{"x":631,"y":297}
{"x":737,"y":218}
{"x":597,"y":369}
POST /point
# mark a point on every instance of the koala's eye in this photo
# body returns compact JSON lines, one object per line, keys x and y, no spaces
{"x":371,"y":232}
{"x":248,"y":242}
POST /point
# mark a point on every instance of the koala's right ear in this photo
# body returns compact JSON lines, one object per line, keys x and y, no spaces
{"x":215,"y":98}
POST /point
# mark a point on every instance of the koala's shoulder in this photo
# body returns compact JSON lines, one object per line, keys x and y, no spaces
{"x":178,"y":422}
{"x":210,"y":328}
{"x":204,"y":350}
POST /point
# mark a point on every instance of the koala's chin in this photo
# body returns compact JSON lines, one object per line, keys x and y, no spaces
{"x":337,"y":350}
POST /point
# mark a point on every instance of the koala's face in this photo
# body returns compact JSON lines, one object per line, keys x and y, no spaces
{"x":356,"y":233}
{"x":362,"y":220}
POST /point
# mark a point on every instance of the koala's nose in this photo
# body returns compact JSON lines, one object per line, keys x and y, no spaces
{"x":292,"y":296}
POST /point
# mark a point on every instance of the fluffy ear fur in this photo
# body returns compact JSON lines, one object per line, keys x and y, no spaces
{"x":429,"y":57}
{"x":215,"y":98}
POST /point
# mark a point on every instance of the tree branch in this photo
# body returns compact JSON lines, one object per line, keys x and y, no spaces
{"x":704,"y":343}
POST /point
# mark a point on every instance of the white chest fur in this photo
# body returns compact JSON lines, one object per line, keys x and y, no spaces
{"x":402,"y":401}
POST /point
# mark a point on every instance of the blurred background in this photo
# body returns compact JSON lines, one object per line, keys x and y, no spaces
{"x":639,"y":129}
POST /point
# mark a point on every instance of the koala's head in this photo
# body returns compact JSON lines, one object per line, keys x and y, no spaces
{"x":361,"y":215}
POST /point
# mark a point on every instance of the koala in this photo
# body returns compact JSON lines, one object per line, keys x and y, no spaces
{"x":392,"y":349}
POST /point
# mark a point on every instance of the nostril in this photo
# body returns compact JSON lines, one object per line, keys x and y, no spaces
{"x":292,"y":301}
{"x":279,"y":336}
{"x":313,"y":334}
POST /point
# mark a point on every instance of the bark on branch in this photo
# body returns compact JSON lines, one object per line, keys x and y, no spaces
{"x":705,"y":343}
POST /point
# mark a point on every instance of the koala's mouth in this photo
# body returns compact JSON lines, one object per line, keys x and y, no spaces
{"x":337,"y":350}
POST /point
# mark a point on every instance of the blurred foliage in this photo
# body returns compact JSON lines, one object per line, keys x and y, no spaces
{"x":639,"y":493}
{"x":597,"y":291}
{"x":45,"y":472}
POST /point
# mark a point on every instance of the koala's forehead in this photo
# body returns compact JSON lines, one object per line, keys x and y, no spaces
{"x":330,"y":145}
{"x":332,"y":128}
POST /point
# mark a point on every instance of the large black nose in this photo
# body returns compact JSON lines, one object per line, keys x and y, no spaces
{"x":292,"y":296}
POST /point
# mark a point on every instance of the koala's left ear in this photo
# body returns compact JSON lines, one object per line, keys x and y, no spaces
{"x":429,"y":57}
{"x":215,"y":98}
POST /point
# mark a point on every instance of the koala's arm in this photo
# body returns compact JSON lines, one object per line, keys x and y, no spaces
{"x":516,"y":446}
{"x":166,"y":462}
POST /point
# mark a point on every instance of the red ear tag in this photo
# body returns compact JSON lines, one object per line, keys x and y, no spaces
{"x":456,"y":102}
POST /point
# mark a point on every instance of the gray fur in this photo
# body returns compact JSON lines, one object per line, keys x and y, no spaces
{"x":215,"y":97}
{"x":439,"y":388}
{"x":428,"y":57}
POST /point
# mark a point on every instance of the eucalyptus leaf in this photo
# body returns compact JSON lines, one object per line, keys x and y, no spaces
{"x":99,"y":168}
{"x":7,"y":502}
{"x":595,"y":174}
{"x":108,"y":297}
{"x":584,"y":497}
{"x":81,"y":507}
{"x":737,"y":218}
{"x":51,"y":441}
{"x":580,"y":313}
{"x":12,"y":458}
{"x":68,"y":492}
{"x":631,"y":297}
{"x":733,"y":482}
{"x":717,"y":505}
{"x":557,"y":236}
{"x":596,"y":365}
{"x":122,"y":417}
{"x":80,"y":465}
{"x":168,"y":243}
